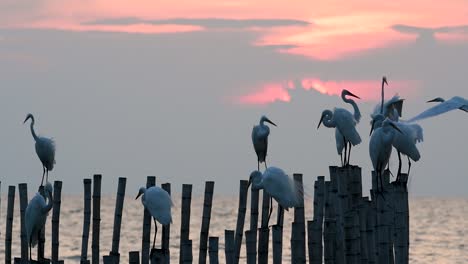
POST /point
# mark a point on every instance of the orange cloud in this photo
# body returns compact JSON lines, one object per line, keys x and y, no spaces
{"x":366,"y":89}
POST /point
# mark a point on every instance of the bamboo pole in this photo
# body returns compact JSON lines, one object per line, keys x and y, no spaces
{"x":315,"y":238}
{"x":96,"y":218}
{"x":114,"y":255}
{"x":187,"y":256}
{"x":229,"y":246}
{"x":213,"y":243}
{"x":362,"y":209}
{"x":264,"y":231}
{"x":329,"y":226}
{"x":185,"y":222}
{"x":254,"y":195}
{"x":23,"y":195}
{"x":338,"y":194}
{"x":9,"y":223}
{"x":298,"y":232}
{"x":145,"y":239}
{"x":166,"y":230}
{"x":56,"y":220}
{"x":314,"y":230}
{"x":134,"y":257}
{"x":243,"y":191}
{"x":86,"y":221}
{"x":401,"y":220}
{"x":205,"y":226}
{"x":382,"y":235}
{"x":371,"y":231}
{"x":277,"y":231}
{"x":251,"y":246}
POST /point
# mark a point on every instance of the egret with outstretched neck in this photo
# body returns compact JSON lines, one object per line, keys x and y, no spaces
{"x":454,"y":103}
{"x":278,"y":185}
{"x":36,"y":216}
{"x":345,"y":126}
{"x":45,"y":150}
{"x":260,"y":135}
{"x":158,"y":202}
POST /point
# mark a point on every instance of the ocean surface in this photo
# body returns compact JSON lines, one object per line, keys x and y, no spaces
{"x":439,"y":228}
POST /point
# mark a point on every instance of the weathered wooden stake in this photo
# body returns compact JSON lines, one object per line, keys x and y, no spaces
{"x":23,"y":193}
{"x":56,"y":220}
{"x":114,"y":254}
{"x":229,"y":246}
{"x":382,"y":238}
{"x":298,"y":249}
{"x":264,"y":231}
{"x":315,"y":238}
{"x":329,"y":226}
{"x":9,"y":223}
{"x":213,"y":250}
{"x":277,"y":244}
{"x":96,"y":218}
{"x":205,"y":226}
{"x":254,"y":195}
{"x":145,"y":240}
{"x":339,"y":196}
{"x":187,"y":256}
{"x":134,"y":257}
{"x":166,"y":231}
{"x":251,"y":246}
{"x":401,"y":220}
{"x":86,"y":221}
{"x":371,"y":231}
{"x":243,"y":191}
{"x":362,"y":209}
{"x":185,"y":222}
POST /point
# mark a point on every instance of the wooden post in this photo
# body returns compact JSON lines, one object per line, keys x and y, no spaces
{"x":145,"y":239}
{"x":264,"y":231}
{"x":213,"y":250}
{"x":382,"y":229}
{"x":298,"y":248}
{"x":187,"y":256}
{"x":371,"y":231}
{"x":96,"y":218}
{"x":166,"y":230}
{"x":329,"y":227}
{"x":23,"y":193}
{"x":114,"y":255}
{"x":363,"y":207}
{"x":229,"y":246}
{"x":254,"y":195}
{"x":278,"y":244}
{"x":9,"y":223}
{"x":315,"y":238}
{"x":56,"y":220}
{"x":339,"y":196}
{"x":86,"y":221}
{"x":134,"y":257}
{"x":352,"y":238}
{"x":185,"y":222}
{"x":243,"y":191}
{"x":205,"y":226}
{"x":401,"y":220}
{"x":251,"y":246}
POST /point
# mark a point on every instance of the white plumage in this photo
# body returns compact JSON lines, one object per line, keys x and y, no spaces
{"x":158,"y":202}
{"x":345,"y":125}
{"x":260,"y":135}
{"x":278,"y":185}
{"x":392,"y":108}
{"x":45,"y":150}
{"x":454,"y":103}
{"x":36,"y":215}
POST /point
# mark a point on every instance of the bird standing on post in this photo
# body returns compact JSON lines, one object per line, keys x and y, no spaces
{"x":278,"y":185}
{"x":158,"y":203}
{"x":345,"y":126}
{"x":260,"y":134}
{"x":45,"y":150}
{"x":36,"y":216}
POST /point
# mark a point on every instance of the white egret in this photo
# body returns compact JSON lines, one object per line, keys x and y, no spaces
{"x":345,"y":122}
{"x":45,"y":150}
{"x":158,"y":203}
{"x":454,"y":103}
{"x":36,"y":216}
{"x":392,"y":108}
{"x":260,"y":134}
{"x":380,"y":145}
{"x":278,"y":185}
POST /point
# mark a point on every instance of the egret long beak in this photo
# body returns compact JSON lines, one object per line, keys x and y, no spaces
{"x":372,"y":128}
{"x":432,"y":101}
{"x":396,"y":128}
{"x":269,"y":121}
{"x":384,"y":80}
{"x":320,"y":122}
{"x":353,"y":95}
{"x":25,"y":119}
{"x":139,"y":194}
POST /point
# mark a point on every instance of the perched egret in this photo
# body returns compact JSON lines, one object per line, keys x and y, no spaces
{"x":158,"y":203}
{"x":45,"y":149}
{"x":278,"y":185}
{"x":392,"y":108}
{"x":345,"y":124}
{"x":454,"y":103}
{"x":260,"y":134}
{"x":36,"y":216}
{"x":380,"y":146}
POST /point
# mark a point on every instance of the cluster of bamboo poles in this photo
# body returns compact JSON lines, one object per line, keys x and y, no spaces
{"x":346,"y":227}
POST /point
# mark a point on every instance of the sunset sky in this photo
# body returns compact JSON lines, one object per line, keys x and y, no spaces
{"x":173,"y":88}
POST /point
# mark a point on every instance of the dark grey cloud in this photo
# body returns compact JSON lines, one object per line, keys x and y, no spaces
{"x":427,"y":33}
{"x":205,"y":22}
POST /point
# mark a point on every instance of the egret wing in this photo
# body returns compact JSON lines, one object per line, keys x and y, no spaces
{"x":158,"y":202}
{"x":449,"y":105}
{"x":260,"y":141}
{"x":45,"y":149}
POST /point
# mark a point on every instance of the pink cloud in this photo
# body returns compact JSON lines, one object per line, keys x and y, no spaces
{"x":368,"y":90}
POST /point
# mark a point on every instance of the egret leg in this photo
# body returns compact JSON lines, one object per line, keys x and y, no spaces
{"x":399,"y":166}
{"x":345,"y":150}
{"x":349,"y":154}
{"x":341,"y":158}
{"x":30,"y":250}
{"x":43,"y":174}
{"x":47,"y":176}
{"x":155,"y":232}
{"x":266,"y":167}
{"x":271,"y":210}
{"x":409,"y":165}
{"x":258,"y":165}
